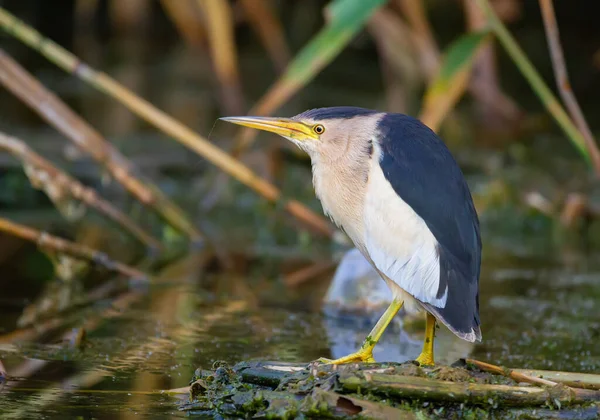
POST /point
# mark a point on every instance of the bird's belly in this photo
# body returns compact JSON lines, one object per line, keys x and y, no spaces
{"x":399,"y":244}
{"x":357,"y":235}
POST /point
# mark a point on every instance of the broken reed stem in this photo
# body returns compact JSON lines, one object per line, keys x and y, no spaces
{"x":572,"y":379}
{"x":61,"y":181}
{"x":509,"y":373}
{"x":536,"y":82}
{"x":159,"y":119}
{"x":52,"y":109}
{"x":53,"y":243}
{"x":434,"y":390}
{"x":563,"y":84}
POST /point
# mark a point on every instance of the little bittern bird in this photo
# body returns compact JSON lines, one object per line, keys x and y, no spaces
{"x":395,"y":189}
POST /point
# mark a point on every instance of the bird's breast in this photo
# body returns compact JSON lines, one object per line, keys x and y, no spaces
{"x":341,"y":190}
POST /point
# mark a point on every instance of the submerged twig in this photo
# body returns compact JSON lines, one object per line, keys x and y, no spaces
{"x":510,"y":373}
{"x":57,"y":184}
{"x":310,"y":272}
{"x":49,"y":106}
{"x":161,"y":120}
{"x":563,"y":83}
{"x":53,"y":243}
{"x":534,"y":79}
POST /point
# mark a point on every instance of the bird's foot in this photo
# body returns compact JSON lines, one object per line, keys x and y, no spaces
{"x":425,"y":359}
{"x":361,"y":356}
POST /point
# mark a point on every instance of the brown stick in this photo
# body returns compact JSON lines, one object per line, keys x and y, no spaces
{"x":23,"y":85}
{"x":509,"y":373}
{"x":53,"y":243}
{"x":162,"y":121}
{"x":563,"y":83}
{"x":62,"y":183}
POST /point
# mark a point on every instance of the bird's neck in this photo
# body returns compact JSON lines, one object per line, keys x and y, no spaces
{"x":340,"y":186}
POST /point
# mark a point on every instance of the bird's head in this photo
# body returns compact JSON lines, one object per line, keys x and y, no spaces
{"x":321,"y":132}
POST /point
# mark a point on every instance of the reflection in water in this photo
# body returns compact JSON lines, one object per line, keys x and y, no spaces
{"x":531,"y":317}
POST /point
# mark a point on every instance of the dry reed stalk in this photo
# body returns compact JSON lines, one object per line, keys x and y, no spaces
{"x":427,"y":48}
{"x":164,"y":122}
{"x":510,"y":373}
{"x":400,"y":66}
{"x":23,"y":85}
{"x":564,"y":85}
{"x":221,"y":39}
{"x":538,"y":85}
{"x":59,"y":184}
{"x":433,"y":390}
{"x":187,"y":20}
{"x":53,"y":243}
{"x":129,"y":15}
{"x":343,"y":21}
{"x":572,"y":379}
{"x":484,"y":84}
{"x":268,"y":27}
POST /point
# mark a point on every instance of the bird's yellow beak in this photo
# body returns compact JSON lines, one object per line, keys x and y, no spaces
{"x":285,"y":127}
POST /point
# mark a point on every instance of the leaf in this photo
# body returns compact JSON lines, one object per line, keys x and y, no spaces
{"x":344,"y":19}
{"x":451,"y":80}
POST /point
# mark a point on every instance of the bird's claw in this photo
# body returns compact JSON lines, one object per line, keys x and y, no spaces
{"x":425,"y":360}
{"x":358,"y":357}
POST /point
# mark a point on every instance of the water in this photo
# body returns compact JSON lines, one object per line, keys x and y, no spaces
{"x":539,"y":297}
{"x":534,"y":316}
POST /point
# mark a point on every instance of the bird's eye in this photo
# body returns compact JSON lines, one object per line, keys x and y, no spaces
{"x":319,"y":129}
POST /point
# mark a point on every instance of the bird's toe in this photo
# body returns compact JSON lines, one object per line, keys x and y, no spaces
{"x":358,"y":357}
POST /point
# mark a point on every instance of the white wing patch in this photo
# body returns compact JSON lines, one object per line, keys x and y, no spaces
{"x":399,"y":242}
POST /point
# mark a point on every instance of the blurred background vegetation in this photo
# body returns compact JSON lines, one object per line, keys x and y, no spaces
{"x":163,"y":194}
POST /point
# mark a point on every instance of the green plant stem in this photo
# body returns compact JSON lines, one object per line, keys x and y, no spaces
{"x":537,"y":84}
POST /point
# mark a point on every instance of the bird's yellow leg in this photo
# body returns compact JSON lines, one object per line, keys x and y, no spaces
{"x":365,"y":353}
{"x":426,"y":356}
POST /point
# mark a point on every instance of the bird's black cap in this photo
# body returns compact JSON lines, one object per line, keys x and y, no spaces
{"x":343,"y":112}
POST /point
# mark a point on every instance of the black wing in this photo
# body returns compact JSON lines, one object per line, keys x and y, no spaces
{"x":424,"y":174}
